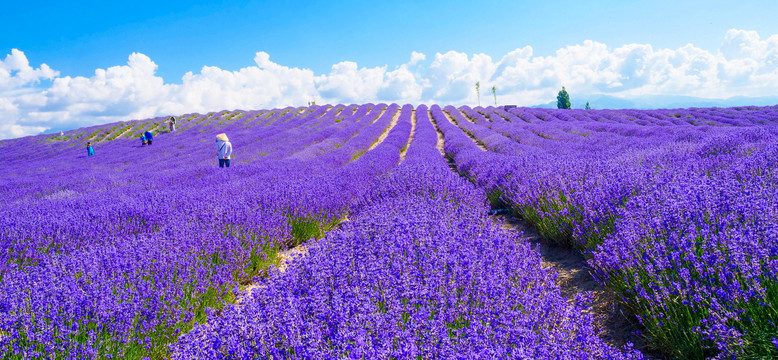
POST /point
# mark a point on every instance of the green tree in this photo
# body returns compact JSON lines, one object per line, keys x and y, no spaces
{"x":563,"y":99}
{"x":588,"y":107}
{"x":478,"y":91}
{"x":494,"y":92}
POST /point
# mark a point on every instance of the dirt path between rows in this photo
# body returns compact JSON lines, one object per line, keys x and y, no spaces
{"x":410,"y":137}
{"x":616,"y":327}
{"x":387,"y":130}
{"x":383,"y":111}
{"x":288,"y":256}
{"x":105,"y":138}
{"x":478,"y":143}
{"x":441,"y":141}
{"x":441,"y":145}
{"x":285,"y":259}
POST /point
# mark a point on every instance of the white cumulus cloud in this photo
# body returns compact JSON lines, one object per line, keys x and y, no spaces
{"x":15,"y":72}
{"x":35,"y":99}
{"x":416,"y":57}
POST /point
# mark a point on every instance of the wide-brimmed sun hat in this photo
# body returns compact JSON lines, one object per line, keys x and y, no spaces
{"x":222,"y":137}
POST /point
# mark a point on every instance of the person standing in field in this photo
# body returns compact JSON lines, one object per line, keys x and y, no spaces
{"x":143,"y":140}
{"x":148,"y":136}
{"x":223,"y":149}
{"x":89,"y":149}
{"x":172,"y":123}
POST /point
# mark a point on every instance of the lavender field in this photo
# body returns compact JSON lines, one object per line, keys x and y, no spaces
{"x":363,"y":231}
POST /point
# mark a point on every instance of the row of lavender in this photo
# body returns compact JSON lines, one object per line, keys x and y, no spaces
{"x":419,"y":271}
{"x":676,"y":209}
{"x":119,"y":253}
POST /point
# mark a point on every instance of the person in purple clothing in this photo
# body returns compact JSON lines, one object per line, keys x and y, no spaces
{"x":224,"y":150}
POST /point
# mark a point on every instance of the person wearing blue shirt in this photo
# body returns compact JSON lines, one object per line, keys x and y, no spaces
{"x":143,"y":140}
{"x":148,"y":136}
{"x":89,"y":149}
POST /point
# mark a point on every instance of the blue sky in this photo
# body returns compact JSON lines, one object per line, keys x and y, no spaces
{"x":339,"y":50}
{"x":76,"y":37}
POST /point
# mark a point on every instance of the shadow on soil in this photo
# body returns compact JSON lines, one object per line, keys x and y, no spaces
{"x":616,"y":326}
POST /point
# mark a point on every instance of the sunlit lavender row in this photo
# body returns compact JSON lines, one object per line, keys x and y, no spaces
{"x":154,"y":251}
{"x":675,"y":209}
{"x":118,"y":253}
{"x":419,"y":271}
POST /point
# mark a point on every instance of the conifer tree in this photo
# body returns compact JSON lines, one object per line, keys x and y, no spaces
{"x":563,"y":99}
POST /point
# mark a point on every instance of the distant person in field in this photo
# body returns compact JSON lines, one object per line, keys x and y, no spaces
{"x":172,"y":123}
{"x":89,"y":149}
{"x":143,"y":140}
{"x":223,"y":149}
{"x":148,"y":136}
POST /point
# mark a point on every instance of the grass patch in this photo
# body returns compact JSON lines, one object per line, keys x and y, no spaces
{"x":358,"y":154}
{"x":495,"y":199}
{"x":198,"y":298}
{"x":555,"y":217}
{"x":304,"y":229}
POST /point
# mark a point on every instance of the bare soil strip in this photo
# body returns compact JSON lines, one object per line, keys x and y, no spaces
{"x":442,"y":148}
{"x":127,"y":131}
{"x":379,"y":115}
{"x":288,"y":256}
{"x":410,"y":137}
{"x":386,"y":132}
{"x":615,"y":325}
{"x":285,"y":258}
{"x":441,"y":141}
{"x":130,"y":129}
{"x":451,"y":119}
{"x":159,"y":126}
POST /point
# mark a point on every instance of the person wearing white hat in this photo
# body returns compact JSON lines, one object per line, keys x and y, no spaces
{"x":224,"y":150}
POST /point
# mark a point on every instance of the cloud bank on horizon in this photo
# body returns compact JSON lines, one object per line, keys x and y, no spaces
{"x":39,"y":99}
